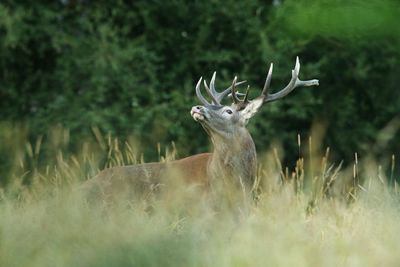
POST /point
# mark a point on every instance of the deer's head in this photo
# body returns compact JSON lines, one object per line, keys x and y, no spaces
{"x":226,"y":121}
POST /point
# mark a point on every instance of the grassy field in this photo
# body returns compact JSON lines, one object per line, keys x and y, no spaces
{"x":313,"y":215}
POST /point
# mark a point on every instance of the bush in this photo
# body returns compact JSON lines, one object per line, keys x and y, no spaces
{"x":130,"y":69}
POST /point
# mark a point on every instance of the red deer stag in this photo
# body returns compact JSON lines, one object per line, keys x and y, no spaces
{"x":233,"y":160}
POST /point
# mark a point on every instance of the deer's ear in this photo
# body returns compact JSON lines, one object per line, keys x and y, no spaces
{"x":251,"y":109}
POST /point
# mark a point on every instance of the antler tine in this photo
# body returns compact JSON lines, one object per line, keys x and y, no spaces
{"x":294,"y":82}
{"x":297,"y":66}
{"x":198,"y":93}
{"x":268,"y":80}
{"x":246,"y":96}
{"x":236,"y":100}
{"x":212,"y":84}
{"x":210,"y":93}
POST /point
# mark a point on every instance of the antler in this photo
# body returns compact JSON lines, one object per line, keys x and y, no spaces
{"x":267,"y":97}
{"x":294,"y":82}
{"x":216,"y":97}
{"x":239,"y":103}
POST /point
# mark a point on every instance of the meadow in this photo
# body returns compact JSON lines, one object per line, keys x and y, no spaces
{"x":74,"y":71}
{"x":316,"y":213}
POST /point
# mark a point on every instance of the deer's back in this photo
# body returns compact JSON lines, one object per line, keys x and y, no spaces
{"x":140,"y":179}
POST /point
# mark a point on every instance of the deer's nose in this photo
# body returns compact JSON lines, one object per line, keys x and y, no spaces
{"x":197,"y":109}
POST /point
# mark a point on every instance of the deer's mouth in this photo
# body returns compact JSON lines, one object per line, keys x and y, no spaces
{"x":197,"y":116}
{"x":198,"y":113}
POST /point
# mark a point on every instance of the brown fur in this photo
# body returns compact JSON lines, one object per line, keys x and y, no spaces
{"x":141,"y":179}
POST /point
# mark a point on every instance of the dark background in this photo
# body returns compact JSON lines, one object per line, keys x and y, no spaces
{"x":129,"y":68}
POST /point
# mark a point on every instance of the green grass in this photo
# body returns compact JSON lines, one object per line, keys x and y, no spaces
{"x":297,"y":221}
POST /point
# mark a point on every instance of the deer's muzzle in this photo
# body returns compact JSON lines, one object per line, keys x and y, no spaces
{"x":198,"y":113}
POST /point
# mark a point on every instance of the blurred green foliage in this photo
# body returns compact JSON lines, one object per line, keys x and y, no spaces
{"x":129,"y":68}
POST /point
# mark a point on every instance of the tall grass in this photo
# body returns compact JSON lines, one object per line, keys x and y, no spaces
{"x":315,"y":214}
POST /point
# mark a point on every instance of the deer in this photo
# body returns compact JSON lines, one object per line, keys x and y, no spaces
{"x":233,"y":161}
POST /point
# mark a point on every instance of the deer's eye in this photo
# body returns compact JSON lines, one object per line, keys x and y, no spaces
{"x":228,"y":111}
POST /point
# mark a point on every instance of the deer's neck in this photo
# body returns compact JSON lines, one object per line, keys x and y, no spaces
{"x":234,"y":158}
